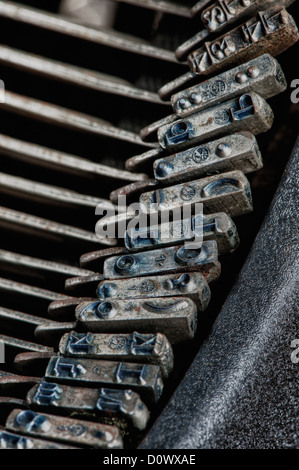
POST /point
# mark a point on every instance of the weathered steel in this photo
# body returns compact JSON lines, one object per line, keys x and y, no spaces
{"x":24,"y":222}
{"x":73,"y":75}
{"x":23,"y":262}
{"x":191,"y":285}
{"x":111,"y":227}
{"x":65,"y":308}
{"x":83,"y":285}
{"x":228,"y":192}
{"x":271,"y":31}
{"x":90,"y":12}
{"x":199,"y":6}
{"x":94,"y":260}
{"x":7,"y":404}
{"x":18,"y":288}
{"x":28,"y":362}
{"x":138,"y":161}
{"x":15,"y":288}
{"x":29,"y":189}
{"x":135,"y":347}
{"x":9,"y":440}
{"x":100,"y":403}
{"x":70,"y":164}
{"x":168,"y":233}
{"x":171,"y":8}
{"x":13,"y":384}
{"x":64,"y":117}
{"x":149,"y":133}
{"x":248,"y":112}
{"x":233,"y":152}
{"x":220,"y":15}
{"x":61,"y":429}
{"x":192,"y":43}
{"x":50,"y":332}
{"x":56,"y":23}
{"x":218,"y":227}
{"x":132,"y":190}
{"x":175,"y":317}
{"x":174,"y":259}
{"x":221,"y":228}
{"x":263,"y":75}
{"x":179,"y":83}
{"x":22,"y":345}
{"x":8,"y":316}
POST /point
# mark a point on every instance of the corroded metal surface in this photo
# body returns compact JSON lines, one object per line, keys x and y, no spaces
{"x":22,"y":262}
{"x":64,"y":162}
{"x":29,"y":189}
{"x":218,"y":227}
{"x":262,"y":75}
{"x":61,"y":25}
{"x":15,"y":288}
{"x":135,"y":347}
{"x":248,"y":112}
{"x":174,"y":259}
{"x":228,"y":192}
{"x":73,"y":431}
{"x":65,"y":308}
{"x":163,"y":6}
{"x":179,"y":83}
{"x":9,"y":440}
{"x":47,"y":228}
{"x":131,"y":190}
{"x":50,"y":332}
{"x":21,"y":345}
{"x":149,"y":133}
{"x":138,"y":161}
{"x":220,"y":15}
{"x":176,"y":317}
{"x":60,"y":116}
{"x":192,"y":43}
{"x":191,"y":285}
{"x":27,"y":362}
{"x":73,"y":75}
{"x":271,"y":31}
{"x":8,"y":315}
{"x":199,"y":6}
{"x":101,"y":403}
{"x":83,"y":285}
{"x":143,"y":378}
{"x":10,"y":383}
{"x":233,"y":152}
{"x":95,"y":259}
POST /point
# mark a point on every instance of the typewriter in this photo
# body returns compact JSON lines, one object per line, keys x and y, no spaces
{"x":141,"y":340}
